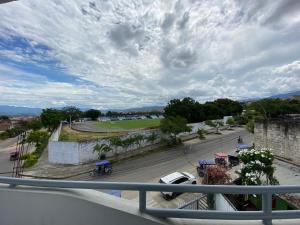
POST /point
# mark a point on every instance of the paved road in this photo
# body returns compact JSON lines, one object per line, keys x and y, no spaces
{"x":149,"y":168}
{"x":5,"y":147}
{"x":183,"y":158}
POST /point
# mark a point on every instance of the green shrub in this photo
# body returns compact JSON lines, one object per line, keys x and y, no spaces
{"x":25,"y":156}
{"x":250,"y":126}
{"x":3,"y":136}
{"x":201,"y":133}
{"x":30,"y":160}
{"x":64,"y":137}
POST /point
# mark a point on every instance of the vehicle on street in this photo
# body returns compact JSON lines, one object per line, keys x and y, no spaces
{"x":13,"y":155}
{"x":233,"y":160}
{"x":221,"y":159}
{"x":203,"y":165}
{"x":176,"y":178}
{"x":240,"y":140}
{"x":103,"y":167}
{"x":241,"y":147}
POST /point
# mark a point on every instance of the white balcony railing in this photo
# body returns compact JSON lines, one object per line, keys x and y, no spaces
{"x":266,"y":214}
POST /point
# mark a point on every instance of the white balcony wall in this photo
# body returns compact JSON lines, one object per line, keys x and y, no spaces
{"x":41,"y":206}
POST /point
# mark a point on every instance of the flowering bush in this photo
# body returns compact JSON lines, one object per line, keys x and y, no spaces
{"x":257,"y":167}
{"x":215,"y":175}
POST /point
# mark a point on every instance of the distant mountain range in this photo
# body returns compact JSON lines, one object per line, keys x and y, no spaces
{"x":141,"y":109}
{"x":287,"y":95}
{"x":282,"y":96}
{"x":27,"y":111}
{"x":19,"y":111}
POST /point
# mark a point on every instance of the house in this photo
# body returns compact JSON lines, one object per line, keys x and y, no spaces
{"x":295,"y":97}
{"x":5,"y":124}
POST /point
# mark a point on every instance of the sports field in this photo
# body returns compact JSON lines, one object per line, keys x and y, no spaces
{"x":129,"y":124}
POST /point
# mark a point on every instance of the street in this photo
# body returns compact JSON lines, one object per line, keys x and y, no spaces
{"x":6,"y":146}
{"x":151,"y":167}
{"x":182,"y":158}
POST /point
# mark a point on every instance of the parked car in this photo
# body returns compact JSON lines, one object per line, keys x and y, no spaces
{"x":176,"y":178}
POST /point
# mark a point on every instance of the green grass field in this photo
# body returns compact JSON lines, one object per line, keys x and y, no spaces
{"x":68,"y":134}
{"x":129,"y":124}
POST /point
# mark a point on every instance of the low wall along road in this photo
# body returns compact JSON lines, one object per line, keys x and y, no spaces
{"x":72,"y":152}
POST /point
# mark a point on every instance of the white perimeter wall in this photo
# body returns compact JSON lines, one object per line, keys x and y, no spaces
{"x":222,"y":204}
{"x":67,"y":152}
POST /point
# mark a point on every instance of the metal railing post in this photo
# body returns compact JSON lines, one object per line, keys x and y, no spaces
{"x":142,"y":201}
{"x":267,"y":207}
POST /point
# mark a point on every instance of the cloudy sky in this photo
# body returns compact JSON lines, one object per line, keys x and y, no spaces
{"x":121,"y":53}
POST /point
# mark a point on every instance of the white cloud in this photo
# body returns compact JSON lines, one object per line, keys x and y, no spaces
{"x":135,"y":53}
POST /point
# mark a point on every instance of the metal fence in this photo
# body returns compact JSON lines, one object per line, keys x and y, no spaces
{"x":199,"y":203}
{"x":266,"y":214}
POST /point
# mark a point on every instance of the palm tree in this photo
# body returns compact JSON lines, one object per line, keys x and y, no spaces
{"x":116,"y":142}
{"x":101,"y":149}
{"x":138,"y":139}
{"x":152,"y":137}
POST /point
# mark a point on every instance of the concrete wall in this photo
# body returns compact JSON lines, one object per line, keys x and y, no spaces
{"x":36,"y":206}
{"x":68,"y":152}
{"x":223,"y":204}
{"x":283,"y":137}
{"x":63,"y":152}
{"x":55,"y":135}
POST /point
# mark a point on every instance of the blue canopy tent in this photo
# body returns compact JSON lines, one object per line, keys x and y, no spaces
{"x":241,"y":147}
{"x":102,"y":163}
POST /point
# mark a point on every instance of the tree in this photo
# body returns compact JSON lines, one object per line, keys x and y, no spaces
{"x":201,"y":133}
{"x":71,"y":112}
{"x":35,"y":124}
{"x":193,"y":111}
{"x":138,"y":139}
{"x":93,"y":114}
{"x":250,"y":126}
{"x":37,"y":137}
{"x":214,"y":175}
{"x":215,"y":124}
{"x":228,"y":106}
{"x":258,"y":167}
{"x":40,"y":139}
{"x":173,"y":126}
{"x":113,"y":114}
{"x":231,"y":122}
{"x":116,"y":142}
{"x":126,"y":143}
{"x":101,"y":149}
{"x":4,"y":117}
{"x":152,"y":137}
{"x":271,"y":108}
{"x":187,"y":108}
{"x":51,"y":118}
